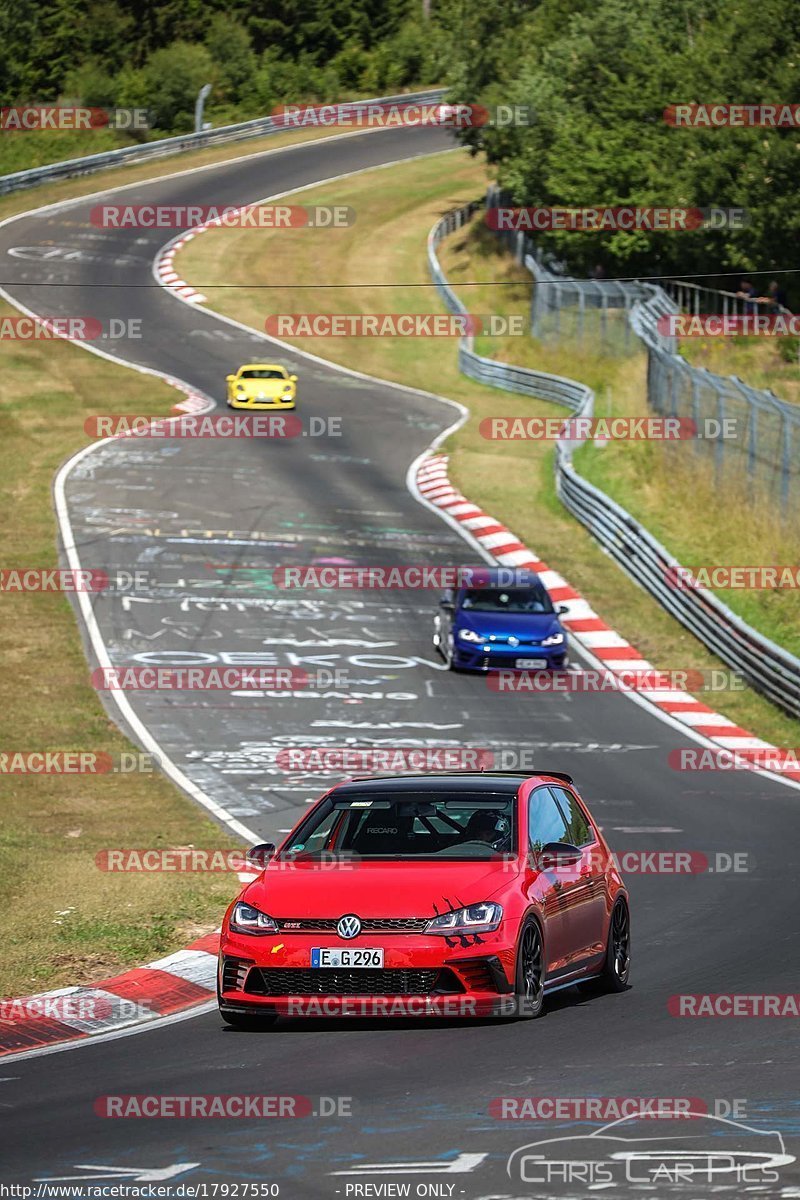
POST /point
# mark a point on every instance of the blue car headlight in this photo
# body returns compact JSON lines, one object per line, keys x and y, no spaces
{"x":476,"y":918}
{"x":555,"y":639}
{"x":469,"y":635}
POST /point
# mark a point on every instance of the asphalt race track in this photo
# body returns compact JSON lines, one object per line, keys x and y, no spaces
{"x":207,"y":520}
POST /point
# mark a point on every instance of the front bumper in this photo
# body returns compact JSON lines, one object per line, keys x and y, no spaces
{"x":261,"y":405}
{"x":471,"y":656}
{"x":421,"y":976}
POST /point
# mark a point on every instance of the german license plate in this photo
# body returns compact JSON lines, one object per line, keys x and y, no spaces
{"x":531,"y":662}
{"x":354,"y":958}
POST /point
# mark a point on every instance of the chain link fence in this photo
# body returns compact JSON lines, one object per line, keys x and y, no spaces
{"x":747,"y":432}
{"x":767,"y":666}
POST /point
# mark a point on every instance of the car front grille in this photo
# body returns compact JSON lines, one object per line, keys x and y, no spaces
{"x":291,"y":981}
{"x":368,"y":924}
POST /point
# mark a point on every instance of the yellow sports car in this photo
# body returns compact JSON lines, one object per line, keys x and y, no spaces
{"x":262,"y":385}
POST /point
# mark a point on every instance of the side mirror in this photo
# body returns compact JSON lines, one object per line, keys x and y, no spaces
{"x":293,"y":378}
{"x":556,"y":854}
{"x":562,"y":608}
{"x":229,"y":378}
{"x":259,"y":856}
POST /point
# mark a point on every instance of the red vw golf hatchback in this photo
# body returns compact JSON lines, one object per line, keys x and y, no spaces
{"x":442,"y":895}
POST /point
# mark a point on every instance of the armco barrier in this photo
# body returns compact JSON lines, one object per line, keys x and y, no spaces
{"x":260,"y":127}
{"x":611,"y":313}
{"x":767,"y":667}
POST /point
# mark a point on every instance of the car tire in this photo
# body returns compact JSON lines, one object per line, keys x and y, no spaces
{"x":617,"y":963}
{"x":529,"y":973}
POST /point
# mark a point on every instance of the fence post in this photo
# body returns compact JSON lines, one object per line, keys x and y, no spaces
{"x":696,"y":402}
{"x":786,"y":460}
{"x":752,"y":424}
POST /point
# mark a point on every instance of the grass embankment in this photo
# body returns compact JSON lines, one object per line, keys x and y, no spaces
{"x":66,"y":921}
{"x":513,"y":480}
{"x":756,"y":361}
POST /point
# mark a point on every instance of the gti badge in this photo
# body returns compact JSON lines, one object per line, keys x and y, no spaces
{"x":349,"y":926}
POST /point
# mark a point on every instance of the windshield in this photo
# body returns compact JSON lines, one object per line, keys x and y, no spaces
{"x":512,"y":600}
{"x":410,"y":826}
{"x":264,"y":373}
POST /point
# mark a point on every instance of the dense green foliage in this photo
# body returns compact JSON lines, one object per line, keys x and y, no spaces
{"x":599,"y":77}
{"x":157,"y":53}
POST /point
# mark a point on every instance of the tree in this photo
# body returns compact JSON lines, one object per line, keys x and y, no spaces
{"x":173,"y":77}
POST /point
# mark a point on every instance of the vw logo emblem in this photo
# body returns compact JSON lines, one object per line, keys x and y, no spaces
{"x":349,"y":926}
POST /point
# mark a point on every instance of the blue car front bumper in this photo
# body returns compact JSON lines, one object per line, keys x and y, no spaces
{"x":475,"y":657}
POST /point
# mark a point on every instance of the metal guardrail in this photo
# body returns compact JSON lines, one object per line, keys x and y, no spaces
{"x":769,"y":668}
{"x":260,"y":127}
{"x":608,"y":311}
{"x":488,"y":370}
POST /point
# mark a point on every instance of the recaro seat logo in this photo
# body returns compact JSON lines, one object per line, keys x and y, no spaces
{"x":349,"y":926}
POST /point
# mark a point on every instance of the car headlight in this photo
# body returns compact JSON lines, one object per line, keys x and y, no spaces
{"x":468,"y":635}
{"x":246,"y":919}
{"x":555,"y":639}
{"x":477,"y":918}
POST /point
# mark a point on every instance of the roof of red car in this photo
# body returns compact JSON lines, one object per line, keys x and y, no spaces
{"x":504,"y":782}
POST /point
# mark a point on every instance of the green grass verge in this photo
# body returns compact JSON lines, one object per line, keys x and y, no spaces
{"x":513,"y":480}
{"x":66,"y":920}
{"x":756,"y":361}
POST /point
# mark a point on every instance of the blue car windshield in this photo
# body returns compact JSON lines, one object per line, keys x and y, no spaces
{"x":510,"y":600}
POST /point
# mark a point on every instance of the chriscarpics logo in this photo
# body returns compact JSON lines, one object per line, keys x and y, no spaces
{"x":655,"y":1152}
